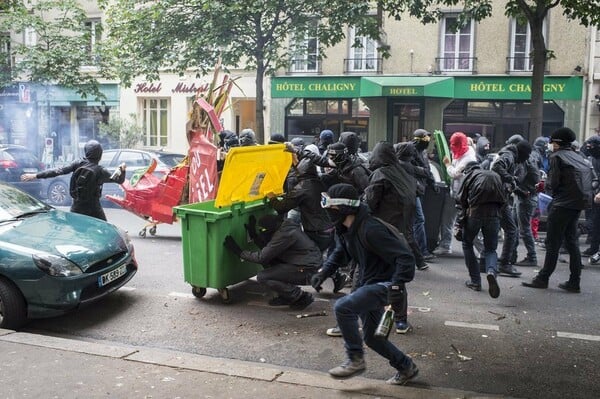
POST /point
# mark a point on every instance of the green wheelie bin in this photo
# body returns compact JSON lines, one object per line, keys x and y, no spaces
{"x":249,"y":174}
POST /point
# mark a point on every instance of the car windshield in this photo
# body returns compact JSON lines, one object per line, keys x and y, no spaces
{"x":14,"y":203}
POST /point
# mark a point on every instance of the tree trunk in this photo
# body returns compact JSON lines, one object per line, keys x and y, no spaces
{"x":537,"y":78}
{"x":260,"y":100}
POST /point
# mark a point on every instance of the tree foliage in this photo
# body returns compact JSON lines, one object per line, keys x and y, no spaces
{"x":122,"y":132}
{"x":61,"y":44}
{"x":534,"y":12}
{"x":148,"y":37}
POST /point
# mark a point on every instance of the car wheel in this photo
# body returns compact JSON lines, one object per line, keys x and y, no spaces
{"x":58,"y":194}
{"x":13,"y":309}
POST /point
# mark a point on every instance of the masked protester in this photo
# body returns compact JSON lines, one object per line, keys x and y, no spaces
{"x":288,"y":256}
{"x":385,"y":265}
{"x":86,"y":181}
{"x":592,"y":146}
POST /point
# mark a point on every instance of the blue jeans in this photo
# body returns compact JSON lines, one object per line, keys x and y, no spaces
{"x":489,"y":226}
{"x":367,"y":302}
{"x":525,"y":208}
{"x":419,"y":229}
{"x":447,"y":223}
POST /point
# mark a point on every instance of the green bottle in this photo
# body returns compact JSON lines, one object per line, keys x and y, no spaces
{"x":385,"y":324}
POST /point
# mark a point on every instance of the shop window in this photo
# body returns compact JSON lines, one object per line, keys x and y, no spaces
{"x":316,"y":107}
{"x":483,"y":109}
{"x":155,"y":119}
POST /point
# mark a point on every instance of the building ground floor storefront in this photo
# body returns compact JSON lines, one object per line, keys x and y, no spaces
{"x":391,"y":107}
{"x":52,"y":121}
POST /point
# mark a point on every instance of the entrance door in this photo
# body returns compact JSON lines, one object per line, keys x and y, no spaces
{"x":406,"y":119}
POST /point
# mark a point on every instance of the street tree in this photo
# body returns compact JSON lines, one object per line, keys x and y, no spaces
{"x":534,"y":12}
{"x":150,"y":37}
{"x":56,"y":47}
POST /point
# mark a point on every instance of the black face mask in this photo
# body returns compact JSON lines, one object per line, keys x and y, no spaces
{"x":421,"y":145}
{"x":336,"y":217}
{"x":594,"y":151}
{"x":522,"y":157}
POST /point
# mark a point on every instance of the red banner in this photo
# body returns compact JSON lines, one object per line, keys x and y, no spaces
{"x":203,"y":168}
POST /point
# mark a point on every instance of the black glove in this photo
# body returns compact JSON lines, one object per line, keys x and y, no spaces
{"x":232,"y":246}
{"x":395,"y":293}
{"x":317,"y":280}
{"x":251,"y":227}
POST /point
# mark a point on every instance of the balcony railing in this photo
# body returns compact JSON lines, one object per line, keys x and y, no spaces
{"x":304,"y":66}
{"x":521,"y":64}
{"x":456,"y":64}
{"x":363,"y":65}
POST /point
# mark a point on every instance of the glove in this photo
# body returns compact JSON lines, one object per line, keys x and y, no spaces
{"x":232,"y":246}
{"x":395,"y":293}
{"x":251,"y":227}
{"x":317,"y":280}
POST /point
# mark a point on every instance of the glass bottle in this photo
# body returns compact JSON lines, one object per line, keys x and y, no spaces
{"x":385,"y":324}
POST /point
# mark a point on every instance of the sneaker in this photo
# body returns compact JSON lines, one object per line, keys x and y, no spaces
{"x":428,"y":257}
{"x":494,"y":288}
{"x":303,"y":302}
{"x":423,"y":266}
{"x":594,"y":259}
{"x":339,"y":281}
{"x":402,"y":327}
{"x":473,"y":286}
{"x":508,"y":270}
{"x":570,"y":287}
{"x":402,"y":377}
{"x":440,"y":251}
{"x":352,"y":367}
{"x":334,"y":332}
{"x":279,"y":301}
{"x":526,"y":262}
{"x":588,"y":252}
{"x":536,"y":283}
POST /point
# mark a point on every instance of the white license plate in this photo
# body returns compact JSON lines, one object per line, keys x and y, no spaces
{"x":112,"y":275}
{"x":30,"y":170}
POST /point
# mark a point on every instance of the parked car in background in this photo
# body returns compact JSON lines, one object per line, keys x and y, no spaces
{"x":52,"y":262}
{"x":57,"y":189}
{"x":16,"y":160}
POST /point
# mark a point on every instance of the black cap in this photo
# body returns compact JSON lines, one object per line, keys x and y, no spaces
{"x":563,"y":136}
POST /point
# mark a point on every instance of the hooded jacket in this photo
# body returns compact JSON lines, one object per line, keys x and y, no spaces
{"x":391,"y":193}
{"x":306,"y":195}
{"x":392,"y":261}
{"x":289,"y":245}
{"x":482,"y":193}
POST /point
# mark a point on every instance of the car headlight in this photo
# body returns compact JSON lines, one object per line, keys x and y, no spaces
{"x":126,"y":239}
{"x":56,"y":266}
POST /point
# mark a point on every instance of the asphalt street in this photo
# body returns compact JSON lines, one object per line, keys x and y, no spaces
{"x":527,"y":343}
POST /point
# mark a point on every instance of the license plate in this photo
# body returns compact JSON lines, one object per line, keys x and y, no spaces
{"x":30,"y":170}
{"x":112,"y":275}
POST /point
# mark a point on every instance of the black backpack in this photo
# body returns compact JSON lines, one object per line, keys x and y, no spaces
{"x":584,"y":177}
{"x":84,"y":183}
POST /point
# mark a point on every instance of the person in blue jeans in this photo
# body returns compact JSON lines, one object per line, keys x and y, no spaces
{"x":481,"y":197}
{"x":385,"y":263}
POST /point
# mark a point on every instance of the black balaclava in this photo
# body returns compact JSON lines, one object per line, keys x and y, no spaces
{"x":523,"y":151}
{"x":421,"y":139}
{"x":351,"y":140}
{"x":268,"y":225}
{"x":593,"y":146}
{"x":93,"y":151}
{"x":346,"y":191}
{"x":338,"y":153}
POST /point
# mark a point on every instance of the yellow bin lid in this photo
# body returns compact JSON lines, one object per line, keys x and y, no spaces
{"x":250,"y":173}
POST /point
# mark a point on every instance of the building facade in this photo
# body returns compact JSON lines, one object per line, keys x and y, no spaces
{"x":475,"y":80}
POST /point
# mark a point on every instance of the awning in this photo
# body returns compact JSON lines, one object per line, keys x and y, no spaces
{"x":407,"y":86}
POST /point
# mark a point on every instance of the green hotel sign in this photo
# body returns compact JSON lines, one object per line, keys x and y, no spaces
{"x":517,"y":88}
{"x":315,"y":87}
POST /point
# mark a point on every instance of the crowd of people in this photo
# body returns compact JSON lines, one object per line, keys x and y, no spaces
{"x":361,"y":223}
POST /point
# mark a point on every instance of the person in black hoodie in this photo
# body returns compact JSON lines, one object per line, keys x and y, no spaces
{"x":482,"y":150}
{"x":391,"y":196}
{"x":385,"y":265}
{"x":289,"y":258}
{"x":592,"y":148}
{"x":88,"y":204}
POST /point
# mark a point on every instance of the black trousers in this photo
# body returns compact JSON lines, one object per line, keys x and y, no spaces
{"x":284,"y":279}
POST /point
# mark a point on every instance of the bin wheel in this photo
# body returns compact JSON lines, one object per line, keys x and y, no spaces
{"x":142,"y":233}
{"x":152,"y":230}
{"x":224,"y":292}
{"x":198,"y":292}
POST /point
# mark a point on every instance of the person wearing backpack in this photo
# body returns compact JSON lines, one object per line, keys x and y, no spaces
{"x":385,"y":264}
{"x":86,"y":181}
{"x":570,"y":185}
{"x":481,"y":198}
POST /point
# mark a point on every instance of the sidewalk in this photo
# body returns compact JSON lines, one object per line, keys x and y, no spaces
{"x":38,"y":366}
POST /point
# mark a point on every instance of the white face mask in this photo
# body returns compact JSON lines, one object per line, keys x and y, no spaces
{"x":550,"y":147}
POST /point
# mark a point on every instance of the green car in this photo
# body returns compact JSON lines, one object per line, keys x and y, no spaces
{"x":52,"y":261}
